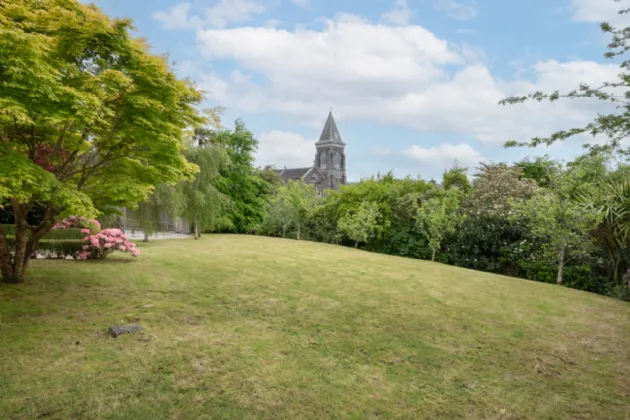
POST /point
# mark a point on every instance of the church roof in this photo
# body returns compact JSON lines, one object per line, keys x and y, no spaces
{"x":293,"y":173}
{"x":299,"y":173}
{"x":330,"y":133}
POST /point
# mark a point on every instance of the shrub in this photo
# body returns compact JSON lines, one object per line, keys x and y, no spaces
{"x":9,"y":230}
{"x":65,"y":234}
{"x":104,"y":243}
{"x":62,"y":249}
{"x":55,"y":248}
{"x":76,"y":222}
{"x":621,"y":292}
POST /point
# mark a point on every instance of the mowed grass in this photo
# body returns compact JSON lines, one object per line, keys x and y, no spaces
{"x":241,"y":327}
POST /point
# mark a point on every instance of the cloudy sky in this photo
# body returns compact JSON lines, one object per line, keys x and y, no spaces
{"x":414,"y":84}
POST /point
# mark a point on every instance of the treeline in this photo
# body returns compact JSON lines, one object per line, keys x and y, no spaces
{"x":537,"y":219}
{"x":227,"y":194}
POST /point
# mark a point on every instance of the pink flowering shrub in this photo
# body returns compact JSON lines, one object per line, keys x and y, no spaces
{"x":92,"y":225}
{"x":105,"y":242}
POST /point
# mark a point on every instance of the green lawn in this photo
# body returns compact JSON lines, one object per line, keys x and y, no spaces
{"x":249,"y":327}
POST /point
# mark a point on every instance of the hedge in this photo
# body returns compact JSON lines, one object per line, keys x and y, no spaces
{"x":55,"y":248}
{"x":9,"y":230}
{"x":59,"y":243}
{"x":59,"y":234}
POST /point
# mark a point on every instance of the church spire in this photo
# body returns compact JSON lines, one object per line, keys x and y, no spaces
{"x":330,"y":133}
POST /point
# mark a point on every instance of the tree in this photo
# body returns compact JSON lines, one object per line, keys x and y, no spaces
{"x":89,"y":119}
{"x":611,"y":199}
{"x":360,"y":225}
{"x":166,"y":199}
{"x":556,"y":216}
{"x":271,"y":176}
{"x":279,"y":214}
{"x":300,"y":197}
{"x":539,"y":169}
{"x":437,"y":216}
{"x":241,"y":181}
{"x":615,"y":125}
{"x":204,"y":201}
{"x":456,"y":177}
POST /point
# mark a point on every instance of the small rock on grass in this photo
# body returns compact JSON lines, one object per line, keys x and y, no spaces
{"x":116,"y":330}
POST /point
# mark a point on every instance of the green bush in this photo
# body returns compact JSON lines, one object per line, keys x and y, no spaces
{"x":65,"y":234}
{"x":52,"y":248}
{"x":55,"y":248}
{"x":58,"y":234}
{"x":582,"y":277}
{"x":9,"y":230}
{"x":621,"y":292}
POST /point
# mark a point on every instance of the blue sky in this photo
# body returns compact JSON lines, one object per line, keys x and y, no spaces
{"x":413,"y":84}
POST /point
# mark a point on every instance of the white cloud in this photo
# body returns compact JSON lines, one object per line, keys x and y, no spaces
{"x":445,"y":156}
{"x":399,"y":15}
{"x":272,"y":23}
{"x":187,"y":68}
{"x":232,"y":11}
{"x":214,"y":87}
{"x":457,"y":9}
{"x":282,"y":148}
{"x":600,"y":11}
{"x":300,"y":3}
{"x":219,"y":15}
{"x":177,"y":17}
{"x":402,"y":75}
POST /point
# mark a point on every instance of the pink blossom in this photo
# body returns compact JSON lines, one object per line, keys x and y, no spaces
{"x":86,"y":231}
{"x":83,"y":255}
{"x":135,"y":252}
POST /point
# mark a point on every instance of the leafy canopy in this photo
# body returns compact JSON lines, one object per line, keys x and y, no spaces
{"x":614,"y":125}
{"x":89,"y":119}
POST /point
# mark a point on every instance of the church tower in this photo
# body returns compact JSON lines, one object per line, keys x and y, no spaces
{"x":330,"y":156}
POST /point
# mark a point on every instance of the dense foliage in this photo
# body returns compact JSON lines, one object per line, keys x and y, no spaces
{"x":89,"y":119}
{"x":536,"y":219}
{"x":227,"y":194}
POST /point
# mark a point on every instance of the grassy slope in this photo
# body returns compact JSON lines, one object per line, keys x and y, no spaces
{"x":250,"y":327}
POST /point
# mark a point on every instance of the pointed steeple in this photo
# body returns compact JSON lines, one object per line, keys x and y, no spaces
{"x":330,"y":133}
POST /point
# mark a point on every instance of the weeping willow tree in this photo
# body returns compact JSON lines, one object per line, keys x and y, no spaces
{"x":204,"y":203}
{"x":167,"y":200}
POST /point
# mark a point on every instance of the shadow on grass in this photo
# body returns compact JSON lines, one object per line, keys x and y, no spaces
{"x":106,"y":261}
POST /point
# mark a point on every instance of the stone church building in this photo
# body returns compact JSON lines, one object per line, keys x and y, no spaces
{"x":329,"y":169}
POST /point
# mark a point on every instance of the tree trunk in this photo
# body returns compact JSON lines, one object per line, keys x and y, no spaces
{"x":356,"y":244}
{"x":21,"y":238}
{"x":5,"y":257}
{"x":433,"y":254}
{"x":616,"y":276}
{"x":560,"y":265}
{"x":13,"y":267}
{"x":298,"y":232}
{"x":196,"y":221}
{"x":146,"y":237}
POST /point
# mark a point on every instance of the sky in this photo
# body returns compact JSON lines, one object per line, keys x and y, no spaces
{"x":414,"y":85}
